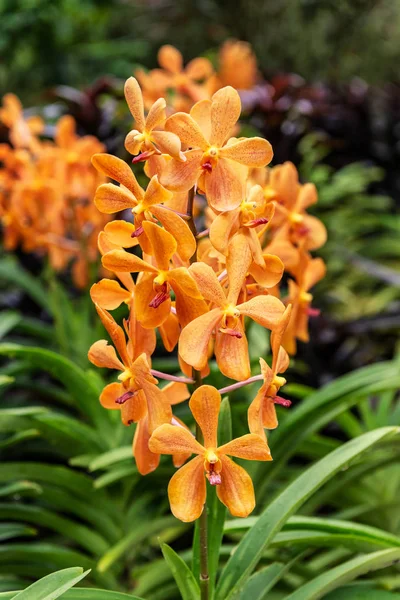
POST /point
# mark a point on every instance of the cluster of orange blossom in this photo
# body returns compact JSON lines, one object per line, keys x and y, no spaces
{"x":198,"y":287}
{"x":198,"y":80}
{"x":46,"y":191}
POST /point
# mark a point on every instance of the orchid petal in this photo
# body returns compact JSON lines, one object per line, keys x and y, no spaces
{"x":236,"y":490}
{"x":134,"y":99}
{"x":168,"y":143}
{"x":117,"y":169}
{"x":171,"y":439}
{"x":265,"y":310}
{"x":108,"y":294}
{"x":249,"y":446}
{"x":101,"y":354}
{"x":146,"y":460}
{"x":204,"y":405}
{"x":225,"y":185}
{"x":182,"y":176}
{"x":110,"y":395}
{"x":208,"y":283}
{"x":187,"y":129}
{"x":225,"y":112}
{"x":110,"y":199}
{"x":187,"y":491}
{"x":193,"y":343}
{"x":252,"y":152}
{"x":232,"y":354}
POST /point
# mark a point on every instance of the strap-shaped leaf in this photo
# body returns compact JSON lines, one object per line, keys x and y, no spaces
{"x":253,"y":544}
{"x":52,"y":586}
{"x":334,"y":578}
{"x":183,"y":576}
{"x":76,"y":381}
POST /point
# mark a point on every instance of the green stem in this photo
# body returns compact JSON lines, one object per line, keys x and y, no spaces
{"x":204,"y":576}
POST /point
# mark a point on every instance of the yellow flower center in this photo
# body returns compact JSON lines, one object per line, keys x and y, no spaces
{"x":269,"y":193}
{"x":231,"y":311}
{"x":296,"y":218}
{"x":278,"y":381}
{"x":213,"y":152}
{"x":125,"y":376}
{"x":305,"y":298}
{"x":161,"y":278}
{"x":211,"y":457}
{"x":138,"y":209}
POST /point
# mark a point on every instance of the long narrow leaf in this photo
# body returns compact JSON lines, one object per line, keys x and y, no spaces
{"x":251,"y":547}
{"x":52,"y":586}
{"x":183,"y":576}
{"x":334,"y":578}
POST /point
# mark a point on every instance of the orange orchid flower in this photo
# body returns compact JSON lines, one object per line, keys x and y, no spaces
{"x":226,"y":319}
{"x":152,"y":298}
{"x":109,"y":294}
{"x":291,"y":201}
{"x":136,"y":394}
{"x":246,"y":218}
{"x":147,"y":139}
{"x":23,"y":132}
{"x":183,"y":86}
{"x":308,"y":272}
{"x":187,"y":488}
{"x":145,"y":205}
{"x":262,"y":413}
{"x":146,"y":460}
{"x":237,"y":65}
{"x":217,"y":166}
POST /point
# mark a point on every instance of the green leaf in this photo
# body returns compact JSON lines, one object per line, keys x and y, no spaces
{"x":110,"y":458}
{"x":253,"y":544}
{"x":12,"y":272}
{"x":319,"y":409}
{"x":259,"y":584}
{"x":141,"y":532}
{"x":75,"y":380}
{"x":317,"y":531}
{"x":82,"y":535}
{"x":183,"y":576}
{"x":10,"y":530}
{"x":334,"y":578}
{"x":52,"y":586}
{"x":353,"y":592}
{"x":9,"y":319}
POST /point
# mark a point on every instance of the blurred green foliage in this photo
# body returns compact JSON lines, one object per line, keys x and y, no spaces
{"x":49,"y":42}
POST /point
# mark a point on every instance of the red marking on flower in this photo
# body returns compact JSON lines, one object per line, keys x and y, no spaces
{"x":303,"y":230}
{"x":137,"y":232}
{"x":313,"y":312}
{"x":232,"y":332}
{"x":214,"y":478}
{"x":257,"y":222}
{"x":160,"y":297}
{"x":142,"y":156}
{"x":282,"y":401}
{"x":207,"y":166}
{"x":122,"y":399}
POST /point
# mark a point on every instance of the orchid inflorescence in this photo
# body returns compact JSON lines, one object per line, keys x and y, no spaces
{"x":46,"y":191}
{"x":204,"y":251}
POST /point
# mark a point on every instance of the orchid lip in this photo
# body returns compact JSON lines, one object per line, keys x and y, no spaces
{"x":122,"y":399}
{"x":282,"y":401}
{"x":207,"y":166}
{"x":137,"y":232}
{"x":214,"y":478}
{"x":159,"y":299}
